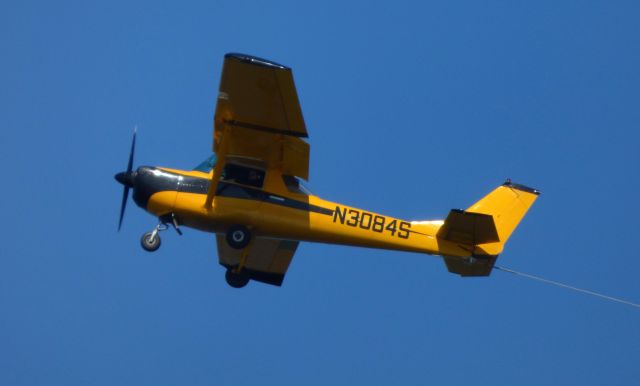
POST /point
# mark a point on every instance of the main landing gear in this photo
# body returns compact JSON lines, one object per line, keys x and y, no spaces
{"x":238,"y":237}
{"x":236,"y":279}
{"x":150,"y":241}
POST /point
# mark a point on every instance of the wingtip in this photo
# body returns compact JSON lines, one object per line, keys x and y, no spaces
{"x":255,"y":60}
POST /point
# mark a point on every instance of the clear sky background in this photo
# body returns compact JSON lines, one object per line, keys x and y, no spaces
{"x":413,"y":108}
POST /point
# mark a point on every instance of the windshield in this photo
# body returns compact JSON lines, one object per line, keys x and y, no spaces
{"x":206,"y":165}
{"x":295,"y":185}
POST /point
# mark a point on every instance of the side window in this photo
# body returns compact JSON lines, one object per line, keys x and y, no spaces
{"x":243,"y":175}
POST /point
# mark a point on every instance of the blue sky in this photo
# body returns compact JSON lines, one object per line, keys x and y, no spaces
{"x":413,"y":108}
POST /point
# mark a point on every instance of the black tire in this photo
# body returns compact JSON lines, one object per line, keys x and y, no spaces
{"x":238,"y":236}
{"x":236,"y":280}
{"x":149,"y":245}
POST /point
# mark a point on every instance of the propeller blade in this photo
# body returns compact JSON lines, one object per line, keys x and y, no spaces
{"x":133,"y":149}
{"x":125,"y":193}
{"x":125,"y":196}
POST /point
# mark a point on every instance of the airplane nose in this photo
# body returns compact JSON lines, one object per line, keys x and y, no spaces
{"x":125,"y":178}
{"x":151,"y":180}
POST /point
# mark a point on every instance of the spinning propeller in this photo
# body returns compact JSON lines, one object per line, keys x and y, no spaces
{"x":126,"y":179}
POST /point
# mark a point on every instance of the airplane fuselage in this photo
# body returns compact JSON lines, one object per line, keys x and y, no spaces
{"x":275,"y":211}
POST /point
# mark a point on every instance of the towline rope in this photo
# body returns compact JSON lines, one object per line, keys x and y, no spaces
{"x":563,"y":285}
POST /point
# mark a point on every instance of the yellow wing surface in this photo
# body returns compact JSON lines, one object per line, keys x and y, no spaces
{"x":267,"y":260}
{"x":258,"y":120}
{"x":258,"y":116}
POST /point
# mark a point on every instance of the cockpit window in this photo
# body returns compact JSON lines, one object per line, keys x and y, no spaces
{"x":206,"y":165}
{"x":243,"y":175}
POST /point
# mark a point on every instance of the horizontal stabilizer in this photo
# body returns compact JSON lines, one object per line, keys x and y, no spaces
{"x":469,"y":228}
{"x":475,"y":266}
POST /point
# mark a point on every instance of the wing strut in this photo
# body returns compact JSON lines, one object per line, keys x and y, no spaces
{"x":217,"y":170}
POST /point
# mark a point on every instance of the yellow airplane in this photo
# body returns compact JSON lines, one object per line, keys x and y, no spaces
{"x":249,"y":192}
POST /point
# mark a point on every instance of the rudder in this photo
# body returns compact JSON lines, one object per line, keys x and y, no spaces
{"x":507,"y":204}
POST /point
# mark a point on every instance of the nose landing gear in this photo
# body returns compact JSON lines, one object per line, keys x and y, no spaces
{"x":150,"y":241}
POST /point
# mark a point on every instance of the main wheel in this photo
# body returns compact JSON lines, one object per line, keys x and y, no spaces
{"x":238,"y":236}
{"x":149,"y":243}
{"x":236,"y":280}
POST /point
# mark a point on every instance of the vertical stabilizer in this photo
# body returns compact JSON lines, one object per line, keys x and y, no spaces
{"x":486,"y":226}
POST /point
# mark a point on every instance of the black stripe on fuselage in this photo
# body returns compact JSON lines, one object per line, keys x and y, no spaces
{"x":190,"y":184}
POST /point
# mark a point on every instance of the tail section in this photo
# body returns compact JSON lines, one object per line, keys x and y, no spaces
{"x":486,"y":226}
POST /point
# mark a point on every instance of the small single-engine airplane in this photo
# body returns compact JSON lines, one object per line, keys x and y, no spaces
{"x":249,"y":192}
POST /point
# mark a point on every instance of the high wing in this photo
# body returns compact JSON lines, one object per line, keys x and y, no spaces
{"x":258,"y":116}
{"x":267,"y":261}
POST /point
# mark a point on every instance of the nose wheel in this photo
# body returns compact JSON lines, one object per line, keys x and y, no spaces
{"x":150,"y":241}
